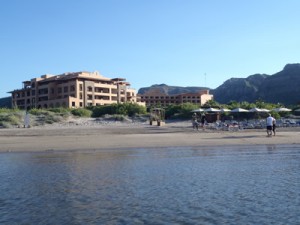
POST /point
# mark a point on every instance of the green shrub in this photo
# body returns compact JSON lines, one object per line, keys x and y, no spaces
{"x":6,"y":110}
{"x":81,"y":112}
{"x":133,"y":109}
{"x":180,"y":111}
{"x":14,"y":119}
{"x":61,"y":111}
{"x":53,"y":118}
{"x":9,"y":119}
{"x":99,"y":111}
{"x":38,"y":112}
{"x":126,"y":109}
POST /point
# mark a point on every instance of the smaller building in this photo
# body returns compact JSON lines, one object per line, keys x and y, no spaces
{"x":156,"y":97}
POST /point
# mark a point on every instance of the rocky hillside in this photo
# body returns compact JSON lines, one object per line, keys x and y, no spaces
{"x":239,"y":89}
{"x":282,"y":87}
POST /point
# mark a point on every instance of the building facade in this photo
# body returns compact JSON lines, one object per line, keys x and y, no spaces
{"x":156,"y":98}
{"x":72,"y":90}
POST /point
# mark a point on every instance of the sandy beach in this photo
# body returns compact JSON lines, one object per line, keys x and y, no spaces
{"x":89,"y":135}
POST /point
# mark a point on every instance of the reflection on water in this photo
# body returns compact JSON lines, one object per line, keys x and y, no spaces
{"x":232,"y":185}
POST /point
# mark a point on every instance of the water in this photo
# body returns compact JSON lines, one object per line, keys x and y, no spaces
{"x":230,"y":185}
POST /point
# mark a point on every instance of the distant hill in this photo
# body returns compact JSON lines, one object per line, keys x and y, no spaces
{"x":5,"y":102}
{"x":170,"y":90}
{"x":282,"y":87}
{"x":239,"y":89}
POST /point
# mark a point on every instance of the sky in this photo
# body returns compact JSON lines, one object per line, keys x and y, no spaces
{"x":175,"y":42}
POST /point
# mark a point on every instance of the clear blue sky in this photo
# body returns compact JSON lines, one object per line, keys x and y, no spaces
{"x":148,"y":42}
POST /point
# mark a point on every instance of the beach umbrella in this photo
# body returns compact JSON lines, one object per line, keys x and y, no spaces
{"x":225,"y":110}
{"x":212,"y":110}
{"x":281,"y":109}
{"x":239,"y":110}
{"x":256,"y":110}
{"x":198,"y":110}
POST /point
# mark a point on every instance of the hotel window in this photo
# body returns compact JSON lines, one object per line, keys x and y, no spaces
{"x":59,"y":90}
{"x":66,"y":89}
{"x":72,"y":88}
{"x":80,"y":87}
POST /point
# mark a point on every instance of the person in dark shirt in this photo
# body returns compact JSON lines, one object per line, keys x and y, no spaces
{"x":203,"y":121}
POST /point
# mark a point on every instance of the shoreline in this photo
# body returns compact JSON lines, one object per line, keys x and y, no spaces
{"x":134,"y":135}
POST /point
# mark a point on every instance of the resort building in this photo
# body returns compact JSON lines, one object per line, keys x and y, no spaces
{"x":157,"y":98}
{"x":72,"y":90}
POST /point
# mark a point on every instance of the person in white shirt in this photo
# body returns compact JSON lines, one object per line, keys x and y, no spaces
{"x":270,"y":122}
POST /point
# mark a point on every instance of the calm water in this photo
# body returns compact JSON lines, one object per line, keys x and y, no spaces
{"x":232,"y":185}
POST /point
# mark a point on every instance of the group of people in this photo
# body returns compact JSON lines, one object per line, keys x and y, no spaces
{"x":271,"y":125}
{"x":198,"y":121}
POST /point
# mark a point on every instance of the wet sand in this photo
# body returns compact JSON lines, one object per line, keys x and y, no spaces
{"x":118,"y":136}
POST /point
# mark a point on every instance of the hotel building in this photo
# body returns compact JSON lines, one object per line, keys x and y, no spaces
{"x":157,"y":98}
{"x":72,"y":90}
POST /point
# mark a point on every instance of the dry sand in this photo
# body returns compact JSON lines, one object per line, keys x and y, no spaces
{"x":90,"y":135}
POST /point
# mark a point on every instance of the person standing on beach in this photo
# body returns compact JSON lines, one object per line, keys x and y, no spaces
{"x":274,"y":126}
{"x":195,"y":121}
{"x":203,"y":120}
{"x":270,"y":122}
{"x":26,"y":120}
